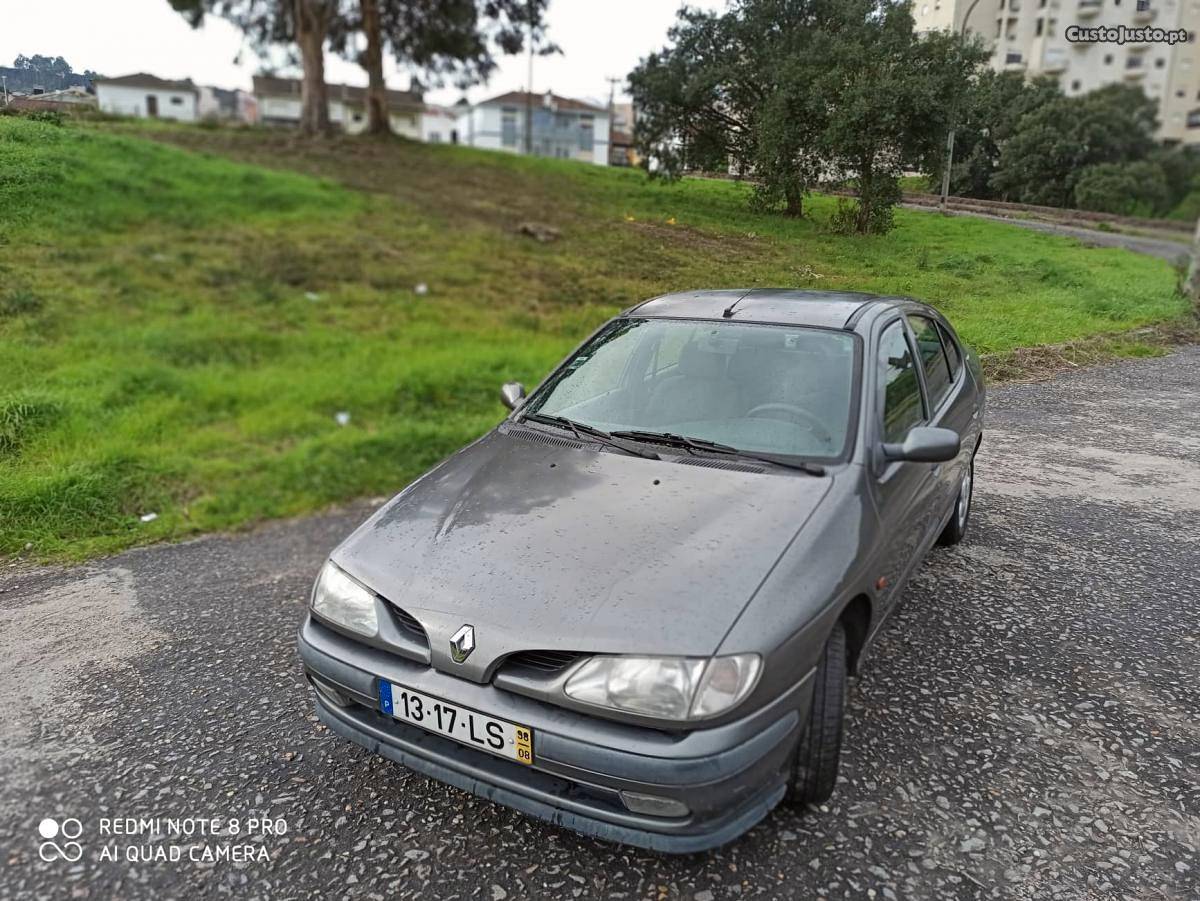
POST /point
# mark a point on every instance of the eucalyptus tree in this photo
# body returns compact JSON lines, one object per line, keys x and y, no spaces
{"x":304,"y":24}
{"x":436,"y":40}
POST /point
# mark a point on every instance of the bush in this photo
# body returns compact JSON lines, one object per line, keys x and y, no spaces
{"x":844,"y":219}
{"x":49,"y":116}
{"x":18,"y":302}
{"x":855,"y":217}
{"x":1188,"y":209}
{"x":1128,"y":189}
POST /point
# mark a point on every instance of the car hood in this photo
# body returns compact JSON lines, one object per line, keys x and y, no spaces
{"x":541,"y":545}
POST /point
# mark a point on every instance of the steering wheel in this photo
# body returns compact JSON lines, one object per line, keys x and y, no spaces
{"x":802,"y":417}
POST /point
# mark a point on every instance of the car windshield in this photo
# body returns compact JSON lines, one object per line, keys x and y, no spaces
{"x":766,"y":389}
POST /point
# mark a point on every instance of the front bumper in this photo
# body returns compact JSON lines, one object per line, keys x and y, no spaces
{"x":729,"y":776}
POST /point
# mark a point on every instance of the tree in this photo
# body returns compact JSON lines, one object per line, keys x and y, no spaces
{"x":994,"y":105}
{"x":1128,"y":189}
{"x":45,"y":65}
{"x":1052,"y":145}
{"x":47,"y":72}
{"x":892,"y":113}
{"x":436,"y":39}
{"x":694,"y":107}
{"x":306,"y":23}
{"x":1181,"y":166}
{"x":372,"y":60}
{"x":796,"y":90}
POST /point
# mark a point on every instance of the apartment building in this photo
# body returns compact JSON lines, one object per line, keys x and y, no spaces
{"x":1033,"y":37}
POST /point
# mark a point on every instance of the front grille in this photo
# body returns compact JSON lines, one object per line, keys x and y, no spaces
{"x":544,"y":661}
{"x":409,"y":624}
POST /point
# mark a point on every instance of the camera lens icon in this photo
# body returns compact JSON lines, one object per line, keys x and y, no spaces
{"x":69,"y":829}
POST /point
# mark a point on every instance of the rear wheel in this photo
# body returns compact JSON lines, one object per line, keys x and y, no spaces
{"x":815,"y":768}
{"x":956,"y":528}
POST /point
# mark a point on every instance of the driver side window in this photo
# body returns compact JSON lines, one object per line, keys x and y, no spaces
{"x":900,"y":403}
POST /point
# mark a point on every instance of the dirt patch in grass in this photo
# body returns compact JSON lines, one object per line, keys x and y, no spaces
{"x":491,"y":196}
{"x":693,"y":239}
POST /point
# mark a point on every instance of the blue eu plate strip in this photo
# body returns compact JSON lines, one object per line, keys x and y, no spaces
{"x":385,"y":696}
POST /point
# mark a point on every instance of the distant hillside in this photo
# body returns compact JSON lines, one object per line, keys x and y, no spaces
{"x":28,"y":74}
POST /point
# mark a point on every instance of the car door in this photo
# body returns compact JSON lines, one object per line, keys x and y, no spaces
{"x":900,"y":487}
{"x":949,"y":406}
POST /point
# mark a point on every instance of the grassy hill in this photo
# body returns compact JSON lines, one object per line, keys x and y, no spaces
{"x":183,"y":312}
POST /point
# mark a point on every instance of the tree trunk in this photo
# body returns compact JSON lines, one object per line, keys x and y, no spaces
{"x":795,"y":200}
{"x":312,"y":25}
{"x":866,"y":193}
{"x":377,"y":109}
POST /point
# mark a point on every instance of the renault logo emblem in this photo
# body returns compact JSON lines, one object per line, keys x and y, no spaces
{"x":462,"y":643}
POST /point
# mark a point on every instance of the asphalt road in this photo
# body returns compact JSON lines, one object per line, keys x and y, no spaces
{"x":1163,"y":248}
{"x":1028,"y":727}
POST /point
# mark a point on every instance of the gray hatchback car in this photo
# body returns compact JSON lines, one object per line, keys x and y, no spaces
{"x":632,"y":607}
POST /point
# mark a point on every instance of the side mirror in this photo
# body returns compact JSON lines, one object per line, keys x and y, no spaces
{"x":512,"y":394}
{"x":925,"y":445}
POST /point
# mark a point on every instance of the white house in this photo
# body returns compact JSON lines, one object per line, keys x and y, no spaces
{"x":561,"y":127}
{"x":279,"y":104}
{"x":148,"y":97}
{"x":439,"y":125}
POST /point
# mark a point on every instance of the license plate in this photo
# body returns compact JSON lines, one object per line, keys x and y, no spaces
{"x":486,"y":733}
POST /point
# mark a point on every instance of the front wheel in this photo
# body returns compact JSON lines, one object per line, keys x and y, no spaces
{"x":956,"y":528}
{"x":815,"y":767}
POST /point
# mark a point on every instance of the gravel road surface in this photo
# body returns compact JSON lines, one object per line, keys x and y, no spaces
{"x":1028,"y":727}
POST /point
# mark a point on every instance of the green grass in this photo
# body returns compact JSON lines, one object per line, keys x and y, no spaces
{"x":184,"y":311}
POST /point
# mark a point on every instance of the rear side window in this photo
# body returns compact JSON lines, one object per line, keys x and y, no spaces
{"x":933,"y":357}
{"x":900,"y":386}
{"x":952,"y":351}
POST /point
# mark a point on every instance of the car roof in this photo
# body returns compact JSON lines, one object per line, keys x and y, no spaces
{"x":824,"y":309}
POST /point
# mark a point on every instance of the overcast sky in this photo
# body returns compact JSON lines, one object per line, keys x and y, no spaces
{"x":599,"y":38}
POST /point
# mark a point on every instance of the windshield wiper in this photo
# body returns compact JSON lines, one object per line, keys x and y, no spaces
{"x":582,"y":431}
{"x":703,"y":444}
{"x":676,"y":441}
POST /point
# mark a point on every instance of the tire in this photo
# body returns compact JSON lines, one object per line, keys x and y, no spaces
{"x":815,"y":766}
{"x":956,"y":528}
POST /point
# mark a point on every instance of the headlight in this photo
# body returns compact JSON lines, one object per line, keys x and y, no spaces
{"x":676,"y":688}
{"x":339,"y":599}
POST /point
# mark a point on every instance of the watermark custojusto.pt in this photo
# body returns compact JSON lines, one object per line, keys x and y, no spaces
{"x":197,"y":840}
{"x":1120,"y":34}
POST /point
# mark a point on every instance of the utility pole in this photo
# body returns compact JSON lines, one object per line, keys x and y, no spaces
{"x":1192,"y":286}
{"x":4,"y":78}
{"x":962,"y":34}
{"x":529,"y":90}
{"x":612,"y":111}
